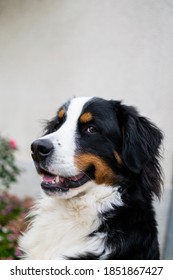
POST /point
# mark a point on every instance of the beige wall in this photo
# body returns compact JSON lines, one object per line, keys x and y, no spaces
{"x":52,"y":50}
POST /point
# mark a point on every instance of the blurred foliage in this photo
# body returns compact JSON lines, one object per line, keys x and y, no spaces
{"x":12,"y":209}
{"x":8,"y":168}
{"x":12,"y":222}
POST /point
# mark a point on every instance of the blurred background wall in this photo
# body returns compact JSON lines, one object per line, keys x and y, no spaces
{"x":52,"y":50}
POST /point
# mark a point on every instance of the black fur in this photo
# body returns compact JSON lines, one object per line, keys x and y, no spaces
{"x":132,"y":229}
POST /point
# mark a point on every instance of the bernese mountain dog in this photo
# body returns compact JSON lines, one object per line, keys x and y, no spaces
{"x":99,"y":164}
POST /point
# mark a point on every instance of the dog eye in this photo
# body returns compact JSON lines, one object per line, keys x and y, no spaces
{"x":56,"y":126}
{"x":91,"y":130}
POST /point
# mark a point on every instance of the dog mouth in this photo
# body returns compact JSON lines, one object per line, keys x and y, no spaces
{"x":52,"y":184}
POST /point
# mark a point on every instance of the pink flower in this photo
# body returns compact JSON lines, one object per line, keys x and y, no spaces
{"x":11,"y":237}
{"x":17,"y":252}
{"x":13,"y":144}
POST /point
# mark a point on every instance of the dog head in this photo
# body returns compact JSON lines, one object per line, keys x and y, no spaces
{"x":98,"y":141}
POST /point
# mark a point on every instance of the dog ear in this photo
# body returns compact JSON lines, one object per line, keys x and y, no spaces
{"x":141,"y":139}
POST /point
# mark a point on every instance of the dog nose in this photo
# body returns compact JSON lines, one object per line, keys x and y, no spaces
{"x":41,"y":149}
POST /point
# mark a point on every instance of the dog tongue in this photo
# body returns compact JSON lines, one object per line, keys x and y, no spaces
{"x":62,"y":180}
{"x":72,"y":178}
{"x":76,"y":177}
{"x":49,"y":178}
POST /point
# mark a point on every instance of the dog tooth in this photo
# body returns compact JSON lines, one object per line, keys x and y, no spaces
{"x":57,"y":179}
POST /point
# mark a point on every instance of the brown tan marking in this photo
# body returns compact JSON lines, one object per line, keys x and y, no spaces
{"x":103,"y":173}
{"x":118,"y":158}
{"x":86,"y":117}
{"x":61,"y":113}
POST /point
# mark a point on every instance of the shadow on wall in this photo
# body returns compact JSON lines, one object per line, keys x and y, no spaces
{"x":168,"y":246}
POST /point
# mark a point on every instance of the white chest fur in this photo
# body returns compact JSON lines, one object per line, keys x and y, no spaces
{"x":60,"y":228}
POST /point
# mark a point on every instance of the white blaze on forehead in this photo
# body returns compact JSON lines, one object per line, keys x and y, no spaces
{"x":62,"y":160}
{"x":73,"y":114}
{"x":75,"y":109}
